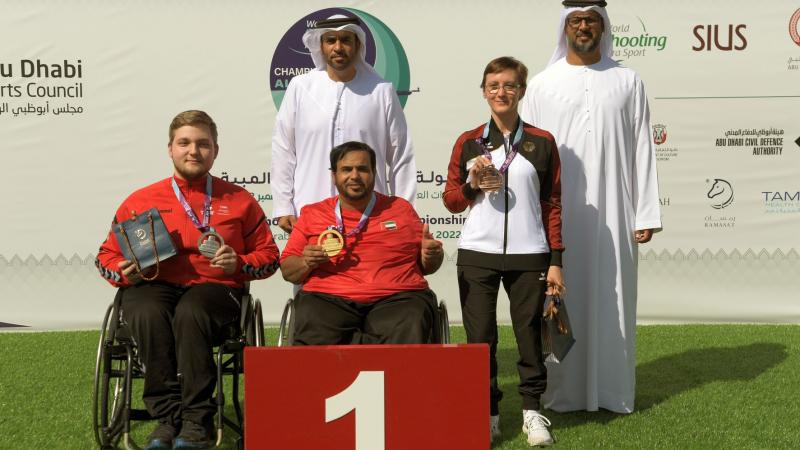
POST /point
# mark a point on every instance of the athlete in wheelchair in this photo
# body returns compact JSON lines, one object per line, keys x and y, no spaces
{"x":207,"y":239}
{"x":362,"y":258}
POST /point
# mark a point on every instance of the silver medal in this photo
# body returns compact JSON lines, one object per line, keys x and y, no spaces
{"x":209,"y":243}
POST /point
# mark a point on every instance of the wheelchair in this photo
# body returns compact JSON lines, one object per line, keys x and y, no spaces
{"x":117,"y":366}
{"x":441,"y":332}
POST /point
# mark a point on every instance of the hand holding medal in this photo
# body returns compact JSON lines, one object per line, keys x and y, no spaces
{"x":211,"y":244}
{"x":226,"y":259}
{"x":484,"y":174}
{"x":477,"y":170}
{"x":314,"y":255}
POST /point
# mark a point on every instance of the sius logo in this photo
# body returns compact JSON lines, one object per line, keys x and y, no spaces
{"x":659,"y":134}
{"x":794,"y":29}
{"x":716,"y":36}
{"x":721,"y":193}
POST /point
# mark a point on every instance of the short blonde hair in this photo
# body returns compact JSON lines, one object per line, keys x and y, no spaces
{"x":195,"y":118}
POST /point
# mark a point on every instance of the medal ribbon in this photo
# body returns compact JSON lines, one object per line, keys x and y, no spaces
{"x":203,"y":227}
{"x":361,"y":223}
{"x":509,"y":154}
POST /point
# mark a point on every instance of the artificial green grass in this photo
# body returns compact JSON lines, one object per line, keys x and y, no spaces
{"x":699,"y":386}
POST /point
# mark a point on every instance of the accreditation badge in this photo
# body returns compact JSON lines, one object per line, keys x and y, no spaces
{"x":209,"y":243}
{"x":331,"y":241}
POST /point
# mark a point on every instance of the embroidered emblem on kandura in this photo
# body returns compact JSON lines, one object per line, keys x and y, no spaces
{"x":528,"y":146}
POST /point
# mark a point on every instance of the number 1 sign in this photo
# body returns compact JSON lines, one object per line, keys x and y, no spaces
{"x":367,"y":397}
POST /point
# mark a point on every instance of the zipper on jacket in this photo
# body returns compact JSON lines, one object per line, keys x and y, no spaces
{"x":505,"y":216}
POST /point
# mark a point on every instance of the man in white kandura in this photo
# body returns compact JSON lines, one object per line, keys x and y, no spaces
{"x":598,"y":112}
{"x":342,"y":100}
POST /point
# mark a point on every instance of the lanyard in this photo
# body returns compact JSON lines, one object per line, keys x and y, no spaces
{"x":186,"y":207}
{"x":361,"y":223}
{"x":510,"y":153}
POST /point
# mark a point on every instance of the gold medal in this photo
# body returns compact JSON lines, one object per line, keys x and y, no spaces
{"x":331,"y":241}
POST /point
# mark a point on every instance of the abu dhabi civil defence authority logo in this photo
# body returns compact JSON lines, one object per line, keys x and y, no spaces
{"x":383,"y":51}
{"x":721,"y":193}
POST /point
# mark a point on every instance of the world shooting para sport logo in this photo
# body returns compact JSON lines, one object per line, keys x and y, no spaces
{"x":384,"y":52}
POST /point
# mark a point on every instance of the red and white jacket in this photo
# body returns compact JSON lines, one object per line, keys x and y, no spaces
{"x":519,"y":228}
{"x":235,"y":215}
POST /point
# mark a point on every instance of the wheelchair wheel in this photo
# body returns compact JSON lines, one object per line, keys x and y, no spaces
{"x":258,"y":323}
{"x":108,"y":394}
{"x":286,"y":327}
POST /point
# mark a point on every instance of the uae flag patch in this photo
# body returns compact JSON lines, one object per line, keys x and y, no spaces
{"x":389,"y":225}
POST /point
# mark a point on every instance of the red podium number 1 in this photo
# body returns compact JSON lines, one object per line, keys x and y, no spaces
{"x":365,"y":396}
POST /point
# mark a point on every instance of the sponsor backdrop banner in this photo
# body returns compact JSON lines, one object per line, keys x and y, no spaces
{"x":88,"y":87}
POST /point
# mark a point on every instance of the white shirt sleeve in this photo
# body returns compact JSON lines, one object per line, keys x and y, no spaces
{"x":284,"y":156}
{"x":526,"y":107}
{"x":648,"y":208}
{"x":400,"y":152}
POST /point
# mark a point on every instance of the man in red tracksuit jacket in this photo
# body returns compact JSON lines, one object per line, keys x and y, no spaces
{"x":177,"y":315}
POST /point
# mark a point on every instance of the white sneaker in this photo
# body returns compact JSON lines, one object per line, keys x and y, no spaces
{"x":535,"y":425}
{"x":494,"y":428}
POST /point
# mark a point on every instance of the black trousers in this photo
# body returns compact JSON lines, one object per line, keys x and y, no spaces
{"x":403,"y":318}
{"x":175,"y":329}
{"x":526,"y":291}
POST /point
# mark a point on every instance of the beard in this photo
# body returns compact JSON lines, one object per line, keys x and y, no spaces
{"x":344,"y":64}
{"x":586,"y":47}
{"x":365,"y":192}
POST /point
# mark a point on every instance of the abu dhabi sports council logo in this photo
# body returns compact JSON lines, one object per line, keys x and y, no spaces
{"x":794,"y":27}
{"x":383,"y":51}
{"x":659,"y":134}
{"x":720,"y":194}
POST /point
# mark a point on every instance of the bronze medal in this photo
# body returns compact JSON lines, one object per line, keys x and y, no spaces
{"x":331,"y":241}
{"x":209,"y":243}
{"x":490,"y":179}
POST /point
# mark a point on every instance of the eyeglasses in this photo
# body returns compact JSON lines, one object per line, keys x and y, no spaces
{"x":508,"y":88}
{"x":575,"y":22}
